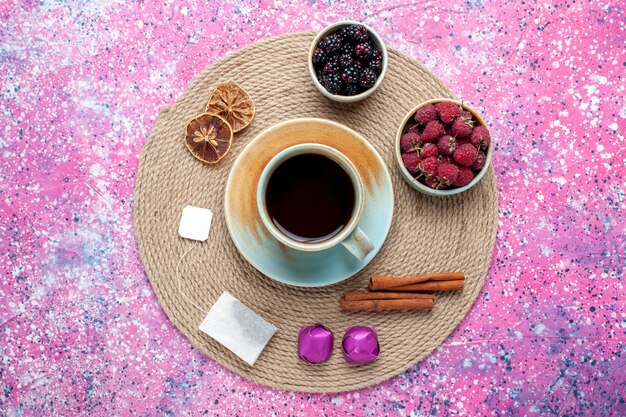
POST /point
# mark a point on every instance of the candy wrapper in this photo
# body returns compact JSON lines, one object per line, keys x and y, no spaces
{"x":315,"y":343}
{"x":360,"y":345}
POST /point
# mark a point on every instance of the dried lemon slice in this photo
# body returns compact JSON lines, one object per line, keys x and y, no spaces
{"x":208,"y":137}
{"x":233,"y":104}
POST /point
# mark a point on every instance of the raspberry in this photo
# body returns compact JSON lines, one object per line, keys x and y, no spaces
{"x":413,"y":129}
{"x":428,"y":166}
{"x":368,"y":78}
{"x":466,"y":175}
{"x":429,"y":150}
{"x":319,"y":56}
{"x":446,"y":174}
{"x":433,"y":183}
{"x":465,"y":154}
{"x":363,"y":51}
{"x":447,"y":111}
{"x":426,"y":114}
{"x":446,"y":145}
{"x":462,"y":128}
{"x":331,"y":43}
{"x":411,"y":161}
{"x":350,"y":75}
{"x":356,"y":33}
{"x":332,"y":83}
{"x":481,"y":137}
{"x":466,"y":115}
{"x":409,"y":142}
{"x":479,"y":163}
{"x":432,"y":132}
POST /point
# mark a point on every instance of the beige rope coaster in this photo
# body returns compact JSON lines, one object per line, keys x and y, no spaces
{"x":428,"y":234}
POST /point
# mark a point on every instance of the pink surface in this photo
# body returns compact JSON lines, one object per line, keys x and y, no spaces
{"x":81,"y":332}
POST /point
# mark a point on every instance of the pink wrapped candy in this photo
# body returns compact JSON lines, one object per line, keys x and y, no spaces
{"x":315,"y":343}
{"x":360,"y":345}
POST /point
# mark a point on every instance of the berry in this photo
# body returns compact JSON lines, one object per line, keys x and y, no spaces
{"x":350,"y":90}
{"x":466,"y":115}
{"x":411,"y":161}
{"x":331,"y":67}
{"x":434,"y":184}
{"x":331,"y":44}
{"x":481,"y":137}
{"x":429,"y":150}
{"x":446,"y":145}
{"x":462,"y":128}
{"x":428,"y":166}
{"x":409,"y":142}
{"x":368,"y":78}
{"x":319,"y":56}
{"x":466,"y":175}
{"x":347,"y":48}
{"x":446,"y":174}
{"x":376,"y":62}
{"x":447,"y":111}
{"x":426,"y":114}
{"x":332,"y":83}
{"x":363,"y":51}
{"x":479,"y":163}
{"x":465,"y":154}
{"x":350,"y":75}
{"x":345,"y":60}
{"x":356,"y":33}
{"x":432,"y":132}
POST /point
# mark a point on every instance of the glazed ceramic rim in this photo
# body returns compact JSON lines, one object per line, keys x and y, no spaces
{"x":337,"y":157}
{"x":422,"y":187}
{"x":378,"y":43}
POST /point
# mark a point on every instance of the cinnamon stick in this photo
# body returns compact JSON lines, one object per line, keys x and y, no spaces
{"x":365,"y":295}
{"x":430,"y":286}
{"x":386,"y":305}
{"x":386,"y":283}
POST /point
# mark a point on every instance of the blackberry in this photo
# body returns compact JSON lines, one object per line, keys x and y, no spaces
{"x":331,"y":67}
{"x":363,"y":51}
{"x":350,"y":75}
{"x":319,"y":56}
{"x":347,"y":48}
{"x":331,"y":44}
{"x":376,"y":62}
{"x":368,"y":78}
{"x":356,"y":33}
{"x":332,"y":83}
{"x":345,"y":60}
{"x":350,"y":90}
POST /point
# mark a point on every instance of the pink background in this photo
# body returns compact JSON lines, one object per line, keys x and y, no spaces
{"x":81,"y":332}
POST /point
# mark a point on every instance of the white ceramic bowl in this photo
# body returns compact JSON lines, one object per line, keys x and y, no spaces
{"x":422,"y":187}
{"x":378,"y":44}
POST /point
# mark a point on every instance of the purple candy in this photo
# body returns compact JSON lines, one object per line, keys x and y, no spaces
{"x":360,"y":345}
{"x":315,"y":343}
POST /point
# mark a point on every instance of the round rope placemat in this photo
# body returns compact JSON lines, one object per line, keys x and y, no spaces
{"x":428,"y":234}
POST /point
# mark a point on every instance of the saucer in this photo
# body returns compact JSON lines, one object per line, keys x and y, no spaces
{"x":264,"y":252}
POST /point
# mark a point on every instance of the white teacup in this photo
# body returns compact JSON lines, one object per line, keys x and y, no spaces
{"x":350,"y":236}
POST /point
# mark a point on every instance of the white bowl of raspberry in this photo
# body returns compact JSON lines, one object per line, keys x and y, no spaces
{"x":443,"y":147}
{"x":347,"y":61}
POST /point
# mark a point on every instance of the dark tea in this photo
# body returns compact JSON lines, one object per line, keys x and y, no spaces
{"x":310,"y":198}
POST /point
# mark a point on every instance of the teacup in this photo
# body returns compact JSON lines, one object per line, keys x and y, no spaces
{"x":310,"y":198}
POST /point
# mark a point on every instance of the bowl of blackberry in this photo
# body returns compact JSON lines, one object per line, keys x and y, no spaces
{"x":443,"y":147}
{"x":347,"y":61}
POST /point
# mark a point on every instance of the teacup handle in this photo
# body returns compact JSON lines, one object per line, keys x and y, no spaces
{"x":358,"y":244}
